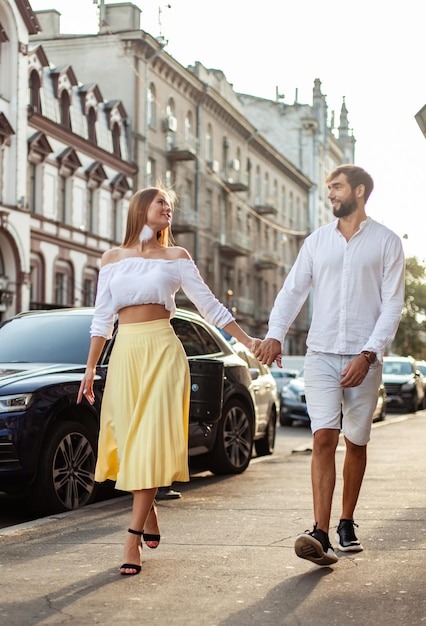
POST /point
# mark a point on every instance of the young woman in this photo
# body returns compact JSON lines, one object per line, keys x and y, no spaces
{"x":143,"y":439}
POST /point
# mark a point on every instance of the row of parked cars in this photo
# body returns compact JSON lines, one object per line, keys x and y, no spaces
{"x":403,"y":388}
{"x":48,"y":443}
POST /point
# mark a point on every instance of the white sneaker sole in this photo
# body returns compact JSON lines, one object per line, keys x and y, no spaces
{"x":353,"y":547}
{"x":309,"y":548}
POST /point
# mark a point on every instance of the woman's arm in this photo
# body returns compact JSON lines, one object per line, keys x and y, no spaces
{"x":86,"y":386}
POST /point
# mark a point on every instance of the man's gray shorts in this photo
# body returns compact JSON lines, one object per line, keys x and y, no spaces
{"x":326,"y":400}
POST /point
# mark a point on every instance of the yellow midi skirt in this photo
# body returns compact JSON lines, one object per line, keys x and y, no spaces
{"x":143,"y":438}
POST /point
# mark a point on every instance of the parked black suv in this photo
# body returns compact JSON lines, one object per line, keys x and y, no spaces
{"x":48,"y":442}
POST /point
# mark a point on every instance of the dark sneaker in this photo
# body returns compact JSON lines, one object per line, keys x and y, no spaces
{"x":315,"y":547}
{"x":345,"y":536}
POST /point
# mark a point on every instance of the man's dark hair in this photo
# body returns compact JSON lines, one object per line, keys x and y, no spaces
{"x":355,"y":176}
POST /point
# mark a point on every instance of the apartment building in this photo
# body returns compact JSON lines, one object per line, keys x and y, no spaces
{"x":243,"y":207}
{"x":65,"y":173}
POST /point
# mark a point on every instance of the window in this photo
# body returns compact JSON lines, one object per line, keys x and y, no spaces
{"x":34,"y":89}
{"x":60,"y":288}
{"x":209,"y":209}
{"x":65,"y":108}
{"x":91,"y":125}
{"x":209,"y":144}
{"x":150,"y":173}
{"x":37,"y":282}
{"x":151,"y":108}
{"x":116,"y":139}
{"x":63,"y":208}
{"x":32,"y":187}
{"x":63,"y":288}
{"x":89,"y":292}
{"x":257,"y":186}
{"x":188,"y":128}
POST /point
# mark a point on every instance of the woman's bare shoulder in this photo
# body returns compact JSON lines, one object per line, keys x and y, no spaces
{"x":176,"y":252}
{"x":111,"y":256}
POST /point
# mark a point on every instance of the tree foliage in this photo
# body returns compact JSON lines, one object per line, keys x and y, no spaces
{"x":411,"y":335}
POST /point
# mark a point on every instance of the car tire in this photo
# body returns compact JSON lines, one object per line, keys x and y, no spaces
{"x":266,"y":444}
{"x":414,"y":404}
{"x":66,"y":474}
{"x":285,"y":421}
{"x":234,"y":440}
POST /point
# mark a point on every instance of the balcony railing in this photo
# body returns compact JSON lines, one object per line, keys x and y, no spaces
{"x":267,"y":260}
{"x":184,"y":221}
{"x":236,"y":181}
{"x":235,"y":244}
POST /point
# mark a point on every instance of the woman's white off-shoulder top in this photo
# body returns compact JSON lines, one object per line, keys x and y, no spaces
{"x":137,"y":280}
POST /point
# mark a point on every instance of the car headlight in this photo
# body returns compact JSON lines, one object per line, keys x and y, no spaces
{"x":17,"y":402}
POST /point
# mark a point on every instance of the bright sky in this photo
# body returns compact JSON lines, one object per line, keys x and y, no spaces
{"x":370,"y":52}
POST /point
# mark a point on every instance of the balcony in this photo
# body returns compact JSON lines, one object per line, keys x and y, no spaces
{"x":236,"y":181}
{"x":235,"y":244}
{"x":266,"y":260}
{"x":184,"y":221}
{"x":181,"y":151}
{"x":265,"y":208}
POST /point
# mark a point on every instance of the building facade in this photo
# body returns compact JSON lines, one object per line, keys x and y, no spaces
{"x":66,"y":175}
{"x":243,"y":207}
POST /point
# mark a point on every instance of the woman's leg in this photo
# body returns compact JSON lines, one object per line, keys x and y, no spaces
{"x":142,"y":502}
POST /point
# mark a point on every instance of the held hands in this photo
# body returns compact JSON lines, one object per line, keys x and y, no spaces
{"x":86,"y":387}
{"x":268,"y":351}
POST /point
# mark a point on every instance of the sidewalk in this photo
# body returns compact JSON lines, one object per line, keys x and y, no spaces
{"x":226,"y":556}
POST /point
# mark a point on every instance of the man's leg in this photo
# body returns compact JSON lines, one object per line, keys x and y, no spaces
{"x":353,"y":474}
{"x":323,"y":475}
{"x":315,"y":546}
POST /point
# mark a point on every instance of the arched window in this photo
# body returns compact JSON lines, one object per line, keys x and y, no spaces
{"x":91,"y":124}
{"x":65,"y":108}
{"x":116,"y":137}
{"x":34,"y":85}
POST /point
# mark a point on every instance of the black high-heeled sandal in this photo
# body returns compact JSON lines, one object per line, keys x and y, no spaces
{"x":151,"y":537}
{"x":137,"y":568}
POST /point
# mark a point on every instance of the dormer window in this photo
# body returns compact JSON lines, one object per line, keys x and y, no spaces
{"x":64,"y":108}
{"x":64,"y":81}
{"x":116,"y":136}
{"x":34,"y":85}
{"x":91,"y":125}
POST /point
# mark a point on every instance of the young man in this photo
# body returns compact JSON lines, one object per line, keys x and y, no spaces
{"x":356,"y":267}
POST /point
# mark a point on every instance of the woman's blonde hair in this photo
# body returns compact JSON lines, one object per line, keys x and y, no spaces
{"x":137,"y":215}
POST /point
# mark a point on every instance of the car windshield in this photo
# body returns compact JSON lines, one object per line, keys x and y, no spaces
{"x":45,"y":339}
{"x":397,"y":367}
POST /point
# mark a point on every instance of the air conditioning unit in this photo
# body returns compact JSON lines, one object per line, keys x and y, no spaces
{"x":213,"y":166}
{"x":235,"y":165}
{"x":170,"y":124}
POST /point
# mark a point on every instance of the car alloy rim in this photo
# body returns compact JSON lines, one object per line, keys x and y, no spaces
{"x":73,"y":470}
{"x":237,"y":437}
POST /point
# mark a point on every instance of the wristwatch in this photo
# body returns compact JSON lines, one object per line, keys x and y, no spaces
{"x":370,"y":356}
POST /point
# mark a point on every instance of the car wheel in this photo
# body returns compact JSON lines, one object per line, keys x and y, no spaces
{"x":266,"y":445}
{"x":285,"y":421}
{"x":66,"y":475}
{"x":234,"y":440}
{"x":414,"y":404}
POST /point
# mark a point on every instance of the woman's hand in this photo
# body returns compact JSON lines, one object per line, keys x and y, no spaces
{"x":86,"y":387}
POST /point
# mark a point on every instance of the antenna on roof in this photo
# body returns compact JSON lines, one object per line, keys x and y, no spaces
{"x":161,"y":39}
